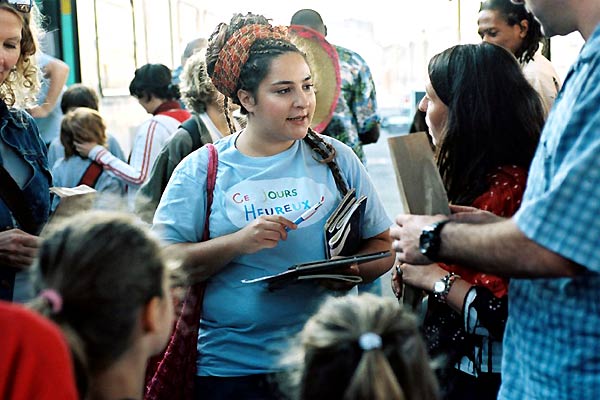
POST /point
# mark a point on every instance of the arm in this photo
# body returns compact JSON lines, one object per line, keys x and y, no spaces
{"x":57,"y":72}
{"x":123,"y":171}
{"x":372,"y":270}
{"x":204,"y":259}
{"x":499,"y":248}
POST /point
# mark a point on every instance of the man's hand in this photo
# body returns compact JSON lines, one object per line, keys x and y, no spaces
{"x":472,"y":215}
{"x":406,"y":233}
{"x":18,"y":248}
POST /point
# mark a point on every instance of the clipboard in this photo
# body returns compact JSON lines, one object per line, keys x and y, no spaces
{"x":322,"y":269}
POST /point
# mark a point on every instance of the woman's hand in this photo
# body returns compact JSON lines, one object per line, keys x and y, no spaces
{"x":18,"y":248}
{"x":334,"y":284}
{"x":422,"y":276}
{"x":84,"y":148}
{"x":263,"y":233}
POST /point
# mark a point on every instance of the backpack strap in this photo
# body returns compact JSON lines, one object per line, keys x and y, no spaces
{"x":91,"y":175}
{"x":191,"y":126}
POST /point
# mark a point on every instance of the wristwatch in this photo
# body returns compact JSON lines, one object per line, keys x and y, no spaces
{"x":430,"y":240}
{"x":442,"y":287}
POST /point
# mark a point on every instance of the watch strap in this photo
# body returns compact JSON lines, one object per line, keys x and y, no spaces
{"x":448,"y":280}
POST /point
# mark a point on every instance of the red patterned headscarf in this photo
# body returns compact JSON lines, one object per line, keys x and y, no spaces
{"x":236,"y":51}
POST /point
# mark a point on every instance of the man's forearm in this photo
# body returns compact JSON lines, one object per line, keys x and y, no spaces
{"x":502,"y":249}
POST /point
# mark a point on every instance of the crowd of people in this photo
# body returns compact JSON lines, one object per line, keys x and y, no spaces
{"x":152,"y":301}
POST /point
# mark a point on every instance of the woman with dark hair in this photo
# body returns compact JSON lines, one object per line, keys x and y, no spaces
{"x":266,"y":175}
{"x":511,"y":26}
{"x":485,"y":120}
{"x":152,"y":87}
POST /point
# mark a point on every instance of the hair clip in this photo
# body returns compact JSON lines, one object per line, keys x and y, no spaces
{"x":369,"y":341}
{"x":53,"y":298}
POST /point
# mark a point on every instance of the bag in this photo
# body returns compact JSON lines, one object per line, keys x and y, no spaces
{"x":175,"y":374}
{"x":371,"y":136}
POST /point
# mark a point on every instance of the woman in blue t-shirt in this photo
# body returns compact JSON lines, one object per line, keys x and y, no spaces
{"x":267,"y":175}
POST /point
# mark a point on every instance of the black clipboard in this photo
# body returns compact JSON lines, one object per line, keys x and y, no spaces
{"x":322,"y":269}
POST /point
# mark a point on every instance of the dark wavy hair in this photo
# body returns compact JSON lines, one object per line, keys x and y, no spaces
{"x":256,"y":68}
{"x":513,"y":14}
{"x":494,"y":116}
{"x":153,"y":80}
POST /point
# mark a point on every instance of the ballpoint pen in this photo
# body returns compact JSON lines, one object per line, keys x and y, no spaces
{"x":308,"y":213}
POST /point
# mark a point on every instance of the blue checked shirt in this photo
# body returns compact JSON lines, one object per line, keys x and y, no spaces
{"x":552,"y":338}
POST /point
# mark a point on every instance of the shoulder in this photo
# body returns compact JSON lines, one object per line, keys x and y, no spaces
{"x":506,"y":186}
{"x":21,"y":324}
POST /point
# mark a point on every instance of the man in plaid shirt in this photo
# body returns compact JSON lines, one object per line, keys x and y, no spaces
{"x":552,"y":245}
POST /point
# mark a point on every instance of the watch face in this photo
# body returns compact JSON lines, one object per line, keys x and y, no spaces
{"x":425,"y":241}
{"x":439,"y":287}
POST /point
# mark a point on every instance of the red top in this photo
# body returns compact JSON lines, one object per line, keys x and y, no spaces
{"x":503,"y":198}
{"x":35,"y":362}
{"x":173,"y":109}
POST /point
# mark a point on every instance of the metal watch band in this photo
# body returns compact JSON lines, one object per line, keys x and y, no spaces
{"x":448,"y":281}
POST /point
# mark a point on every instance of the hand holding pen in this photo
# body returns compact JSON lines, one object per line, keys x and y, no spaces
{"x":308,"y":213}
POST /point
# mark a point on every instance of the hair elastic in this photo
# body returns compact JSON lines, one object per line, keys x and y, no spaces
{"x":53,"y":298}
{"x":369,"y":341}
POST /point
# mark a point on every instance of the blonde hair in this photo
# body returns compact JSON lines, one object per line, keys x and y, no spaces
{"x":22,"y":84}
{"x":336,"y":366}
{"x":81,"y":124}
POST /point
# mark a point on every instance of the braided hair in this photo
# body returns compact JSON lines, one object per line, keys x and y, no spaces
{"x":255,"y":69}
{"x":513,"y":14}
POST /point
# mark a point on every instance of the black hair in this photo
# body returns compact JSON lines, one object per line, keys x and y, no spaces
{"x":153,"y":80}
{"x":494,"y":116}
{"x":513,"y":14}
{"x":79,"y":95}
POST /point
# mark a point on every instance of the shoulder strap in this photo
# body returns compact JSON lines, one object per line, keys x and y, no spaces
{"x":211,"y":179}
{"x":191,"y":126}
{"x":13,"y":196}
{"x":91,"y":175}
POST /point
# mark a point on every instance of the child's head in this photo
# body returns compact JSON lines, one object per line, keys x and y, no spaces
{"x":153,"y":80}
{"x":110,"y":277}
{"x":79,"y":95}
{"x":81,"y":124}
{"x":365,"y":347}
{"x":240,"y":54}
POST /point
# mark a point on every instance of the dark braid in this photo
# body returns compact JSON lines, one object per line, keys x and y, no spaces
{"x":326,"y":154}
{"x":227,"y":113}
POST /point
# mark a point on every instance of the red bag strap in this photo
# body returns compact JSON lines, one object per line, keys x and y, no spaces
{"x":175,"y":374}
{"x":91,"y":175}
{"x":211,"y":179}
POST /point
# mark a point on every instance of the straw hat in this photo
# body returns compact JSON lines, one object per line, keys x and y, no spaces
{"x":324,"y":63}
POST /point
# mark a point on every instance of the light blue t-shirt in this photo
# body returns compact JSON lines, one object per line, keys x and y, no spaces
{"x":244,"y":327}
{"x":67,"y":172}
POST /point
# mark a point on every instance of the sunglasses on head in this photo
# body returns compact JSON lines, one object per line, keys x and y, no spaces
{"x":23,"y":6}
